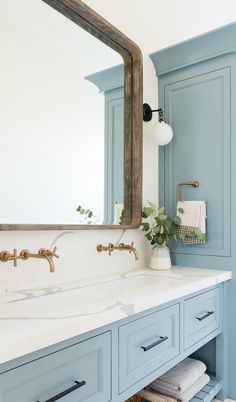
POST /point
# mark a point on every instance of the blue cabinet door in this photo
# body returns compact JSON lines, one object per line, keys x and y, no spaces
{"x":198,"y":108}
{"x":197,"y":90}
{"x":114,"y":152}
{"x":146,"y":344}
{"x":81,"y":372}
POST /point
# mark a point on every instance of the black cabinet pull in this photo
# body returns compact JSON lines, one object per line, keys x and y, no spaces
{"x":205,"y":316}
{"x":77,"y":385}
{"x":162,"y":339}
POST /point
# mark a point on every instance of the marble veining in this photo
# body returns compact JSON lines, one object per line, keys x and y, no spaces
{"x":31,"y":316}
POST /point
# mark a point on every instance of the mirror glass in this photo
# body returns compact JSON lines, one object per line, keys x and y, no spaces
{"x":61,"y":120}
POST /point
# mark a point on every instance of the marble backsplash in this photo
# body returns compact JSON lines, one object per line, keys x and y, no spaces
{"x":78,"y":256}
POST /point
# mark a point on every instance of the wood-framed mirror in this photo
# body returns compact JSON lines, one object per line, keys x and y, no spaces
{"x":65,"y":165}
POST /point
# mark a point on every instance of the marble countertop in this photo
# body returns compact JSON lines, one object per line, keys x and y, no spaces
{"x":41,"y":315}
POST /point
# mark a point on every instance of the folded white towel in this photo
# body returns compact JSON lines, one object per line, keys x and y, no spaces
{"x":187,"y":395}
{"x":194,"y":214}
{"x":180,"y":377}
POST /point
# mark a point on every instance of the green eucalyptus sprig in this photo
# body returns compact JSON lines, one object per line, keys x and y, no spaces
{"x":159,"y":227}
{"x":87,"y":216}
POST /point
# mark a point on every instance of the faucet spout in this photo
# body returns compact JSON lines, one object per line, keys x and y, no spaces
{"x":130,"y":248}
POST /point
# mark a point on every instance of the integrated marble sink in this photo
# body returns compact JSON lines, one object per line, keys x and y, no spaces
{"x":40,"y":313}
{"x":88,"y":300}
{"x":127,"y":293}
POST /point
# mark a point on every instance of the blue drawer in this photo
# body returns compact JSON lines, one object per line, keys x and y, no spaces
{"x":88,"y":363}
{"x":201,"y":316}
{"x":146,"y":344}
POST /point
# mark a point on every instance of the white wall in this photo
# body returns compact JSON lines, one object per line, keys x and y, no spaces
{"x":152,"y":24}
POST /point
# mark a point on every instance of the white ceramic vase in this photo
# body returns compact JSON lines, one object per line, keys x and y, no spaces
{"x":160,"y":258}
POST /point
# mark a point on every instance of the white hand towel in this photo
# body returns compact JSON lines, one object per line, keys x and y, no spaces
{"x":180,"y":377}
{"x":118,"y":208}
{"x":194,"y":214}
{"x":187,"y":395}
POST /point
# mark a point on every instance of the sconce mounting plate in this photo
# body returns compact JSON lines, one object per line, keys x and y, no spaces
{"x":147,"y":112}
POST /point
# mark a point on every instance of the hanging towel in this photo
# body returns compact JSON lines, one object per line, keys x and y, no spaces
{"x":182,"y":376}
{"x":188,"y":394}
{"x":193,"y":217}
{"x":118,"y":209}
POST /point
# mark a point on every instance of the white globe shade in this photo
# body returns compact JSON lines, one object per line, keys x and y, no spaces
{"x":163,"y":133}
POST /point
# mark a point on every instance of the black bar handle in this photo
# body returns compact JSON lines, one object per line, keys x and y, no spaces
{"x":146,"y":348}
{"x":77,"y":385}
{"x":205,"y":316}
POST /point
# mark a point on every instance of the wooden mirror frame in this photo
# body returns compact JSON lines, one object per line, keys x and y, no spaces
{"x":89,"y":20}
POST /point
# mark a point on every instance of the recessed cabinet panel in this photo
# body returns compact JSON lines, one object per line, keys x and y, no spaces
{"x":198,"y":109}
{"x":114,"y":152}
{"x":82,"y":372}
{"x":146,"y":344}
{"x":201,"y":316}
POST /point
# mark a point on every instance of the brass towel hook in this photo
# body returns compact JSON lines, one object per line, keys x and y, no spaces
{"x":194,"y":183}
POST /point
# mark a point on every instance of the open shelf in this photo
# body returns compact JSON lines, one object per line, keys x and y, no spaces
{"x":208,"y":393}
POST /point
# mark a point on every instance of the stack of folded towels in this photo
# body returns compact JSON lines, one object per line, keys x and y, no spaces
{"x":181,"y":383}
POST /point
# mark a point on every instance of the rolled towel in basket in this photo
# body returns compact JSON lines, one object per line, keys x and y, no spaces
{"x":189,"y":393}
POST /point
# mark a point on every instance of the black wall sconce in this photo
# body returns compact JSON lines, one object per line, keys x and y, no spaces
{"x":163,"y":131}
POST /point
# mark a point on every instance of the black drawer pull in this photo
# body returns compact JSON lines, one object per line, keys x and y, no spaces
{"x":162,"y":339}
{"x":67,"y":391}
{"x":205,"y":316}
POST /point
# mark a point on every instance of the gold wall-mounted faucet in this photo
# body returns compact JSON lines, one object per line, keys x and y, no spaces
{"x":121,"y":246}
{"x":43,"y":253}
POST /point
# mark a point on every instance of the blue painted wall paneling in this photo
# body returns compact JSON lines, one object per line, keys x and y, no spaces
{"x":198,"y":108}
{"x":199,"y":98}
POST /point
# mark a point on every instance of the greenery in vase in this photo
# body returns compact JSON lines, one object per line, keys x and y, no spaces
{"x":159,"y":227}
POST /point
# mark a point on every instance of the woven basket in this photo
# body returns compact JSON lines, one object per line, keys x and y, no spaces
{"x":150,"y":396}
{"x":134,"y":398}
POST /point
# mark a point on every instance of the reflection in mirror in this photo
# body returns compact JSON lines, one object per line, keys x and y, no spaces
{"x":61,"y":120}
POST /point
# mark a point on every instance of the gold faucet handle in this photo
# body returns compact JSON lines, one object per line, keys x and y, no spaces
{"x":110,"y":248}
{"x":53,"y":252}
{"x":5,"y":256}
{"x":131,"y":247}
{"x":100,"y":248}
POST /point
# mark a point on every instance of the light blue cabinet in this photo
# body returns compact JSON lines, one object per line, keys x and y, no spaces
{"x":110,"y":83}
{"x":114,"y":152}
{"x":201,"y":316}
{"x":146,"y":344}
{"x":81,"y":372}
{"x":198,"y":108}
{"x":113,"y":363}
{"x":197,"y":90}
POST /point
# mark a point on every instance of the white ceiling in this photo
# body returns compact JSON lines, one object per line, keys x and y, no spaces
{"x":155,"y":24}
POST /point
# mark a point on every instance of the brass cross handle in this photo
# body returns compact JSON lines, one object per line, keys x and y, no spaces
{"x":7,"y":256}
